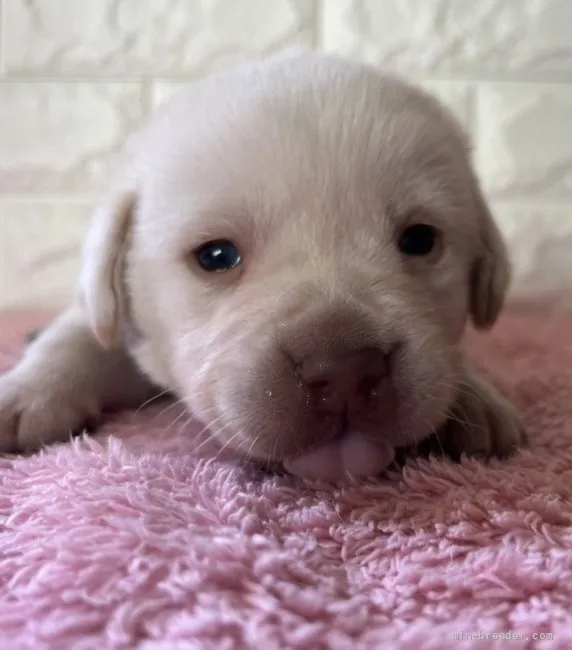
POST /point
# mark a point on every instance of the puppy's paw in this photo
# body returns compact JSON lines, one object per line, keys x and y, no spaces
{"x":39,"y":409}
{"x":482,"y":422}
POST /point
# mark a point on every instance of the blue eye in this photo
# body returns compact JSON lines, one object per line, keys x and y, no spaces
{"x":418,"y":240}
{"x":218,"y":256}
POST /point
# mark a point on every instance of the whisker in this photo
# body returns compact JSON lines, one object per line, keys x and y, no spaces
{"x":465,"y":423}
{"x":249,"y":452}
{"x":152,"y":399}
{"x":191,"y":417}
{"x":210,"y":437}
{"x":204,"y":442}
{"x":435,"y":433}
{"x":179,"y":417}
{"x":227,"y":443}
{"x":177,"y":402}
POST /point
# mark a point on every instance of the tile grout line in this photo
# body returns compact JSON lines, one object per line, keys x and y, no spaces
{"x":318,"y":36}
{"x":2,"y":48}
{"x":3,"y":265}
{"x":71,"y":198}
{"x":90,"y":76}
{"x":473,"y":113}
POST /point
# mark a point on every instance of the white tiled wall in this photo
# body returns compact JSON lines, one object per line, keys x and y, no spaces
{"x":77,"y":75}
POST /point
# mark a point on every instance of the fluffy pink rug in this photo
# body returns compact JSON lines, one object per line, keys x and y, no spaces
{"x":136,"y":540}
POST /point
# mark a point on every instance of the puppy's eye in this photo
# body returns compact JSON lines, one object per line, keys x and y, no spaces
{"x":419,"y":240}
{"x":218,"y":256}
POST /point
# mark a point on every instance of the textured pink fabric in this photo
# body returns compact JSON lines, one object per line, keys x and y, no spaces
{"x":135,"y":540}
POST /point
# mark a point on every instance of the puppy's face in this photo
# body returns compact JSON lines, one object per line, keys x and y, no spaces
{"x":302,"y":245}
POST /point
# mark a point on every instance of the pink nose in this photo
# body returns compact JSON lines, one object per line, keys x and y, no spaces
{"x":336,"y":382}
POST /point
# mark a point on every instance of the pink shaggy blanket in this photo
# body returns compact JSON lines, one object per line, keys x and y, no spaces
{"x":136,"y":539}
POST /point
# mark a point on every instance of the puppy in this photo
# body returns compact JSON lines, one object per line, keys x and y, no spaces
{"x":294,"y":248}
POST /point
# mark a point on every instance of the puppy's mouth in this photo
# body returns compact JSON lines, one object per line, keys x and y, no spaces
{"x":350,"y":450}
{"x":353,"y":453}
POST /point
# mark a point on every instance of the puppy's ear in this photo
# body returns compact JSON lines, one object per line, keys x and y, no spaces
{"x":101,"y":280}
{"x":490,"y":273}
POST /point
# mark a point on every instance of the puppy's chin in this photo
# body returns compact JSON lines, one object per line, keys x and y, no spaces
{"x":259,"y":409}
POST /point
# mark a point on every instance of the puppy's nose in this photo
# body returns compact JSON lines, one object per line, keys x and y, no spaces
{"x":336,"y":382}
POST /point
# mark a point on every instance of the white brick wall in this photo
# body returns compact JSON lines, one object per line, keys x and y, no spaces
{"x":77,"y":75}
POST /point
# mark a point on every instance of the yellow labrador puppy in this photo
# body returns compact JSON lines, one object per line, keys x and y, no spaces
{"x":294,"y":248}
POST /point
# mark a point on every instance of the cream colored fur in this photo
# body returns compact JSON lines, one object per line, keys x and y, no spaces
{"x":312,"y":166}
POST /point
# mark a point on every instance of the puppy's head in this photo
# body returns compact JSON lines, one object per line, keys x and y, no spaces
{"x":299,"y":244}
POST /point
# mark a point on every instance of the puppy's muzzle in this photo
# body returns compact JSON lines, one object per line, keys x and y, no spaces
{"x":349,"y":394}
{"x":344,"y":383}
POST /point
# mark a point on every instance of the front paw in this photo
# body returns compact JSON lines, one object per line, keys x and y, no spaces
{"x":39,"y":409}
{"x":481,"y":422}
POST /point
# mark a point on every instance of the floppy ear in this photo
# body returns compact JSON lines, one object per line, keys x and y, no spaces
{"x":101,"y":280}
{"x":490,"y":273}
